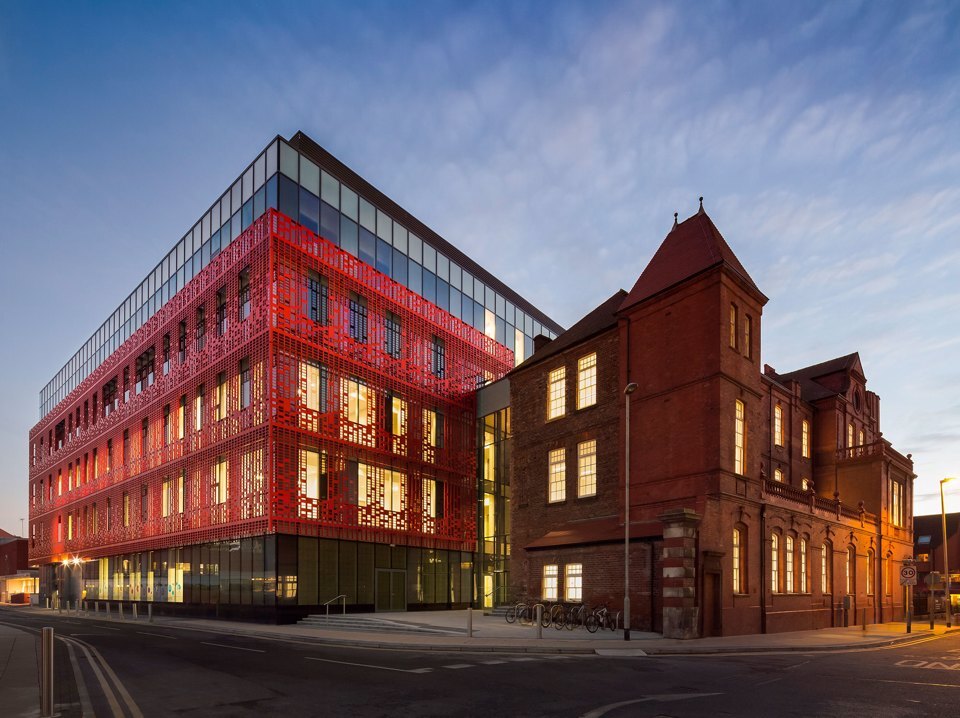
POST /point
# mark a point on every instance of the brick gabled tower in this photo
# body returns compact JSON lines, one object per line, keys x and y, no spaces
{"x":690,"y":332}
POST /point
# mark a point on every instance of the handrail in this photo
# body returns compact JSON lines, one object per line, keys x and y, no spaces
{"x":342,"y":598}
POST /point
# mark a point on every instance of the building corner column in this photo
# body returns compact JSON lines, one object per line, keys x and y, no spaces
{"x":681,"y":615}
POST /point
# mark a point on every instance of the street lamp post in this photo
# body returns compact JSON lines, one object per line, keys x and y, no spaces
{"x":628,"y":390}
{"x":946,"y":560}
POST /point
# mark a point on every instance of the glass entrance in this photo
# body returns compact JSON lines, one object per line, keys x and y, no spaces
{"x":391,"y":590}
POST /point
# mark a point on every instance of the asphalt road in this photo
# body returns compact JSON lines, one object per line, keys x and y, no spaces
{"x":157,"y":670}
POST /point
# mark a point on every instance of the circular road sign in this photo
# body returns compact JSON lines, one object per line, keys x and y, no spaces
{"x":908,"y":575}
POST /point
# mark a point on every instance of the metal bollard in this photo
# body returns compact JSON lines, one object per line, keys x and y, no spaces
{"x":96,"y":606}
{"x":863,"y":619}
{"x":120,"y":610}
{"x":538,"y":615}
{"x":59,"y":605}
{"x":46,"y":673}
{"x":134,"y":612}
{"x":149,"y":613}
{"x":469,"y":622}
{"x":48,"y":602}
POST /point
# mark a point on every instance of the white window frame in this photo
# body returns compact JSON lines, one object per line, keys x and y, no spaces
{"x":573,"y":583}
{"x":556,"y":475}
{"x":587,"y":468}
{"x":556,"y":393}
{"x":587,"y":381}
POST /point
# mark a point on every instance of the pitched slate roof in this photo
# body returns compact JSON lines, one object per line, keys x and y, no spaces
{"x":600,"y":319}
{"x":810,"y":388}
{"x":691,"y":247}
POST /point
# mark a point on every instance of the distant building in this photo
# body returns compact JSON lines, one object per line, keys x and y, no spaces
{"x":928,"y":548}
{"x":759,"y":501}
{"x":17,"y":580}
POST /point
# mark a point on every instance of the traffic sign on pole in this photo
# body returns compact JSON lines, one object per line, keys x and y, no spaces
{"x":908,"y":575}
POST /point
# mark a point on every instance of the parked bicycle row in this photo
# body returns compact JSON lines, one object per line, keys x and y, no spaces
{"x":564,"y":615}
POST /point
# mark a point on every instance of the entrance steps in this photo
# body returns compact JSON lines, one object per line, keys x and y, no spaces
{"x":355,"y":622}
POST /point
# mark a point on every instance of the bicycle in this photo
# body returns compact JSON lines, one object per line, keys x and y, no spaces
{"x":518,"y":612}
{"x":575,"y":616}
{"x":602,"y":618}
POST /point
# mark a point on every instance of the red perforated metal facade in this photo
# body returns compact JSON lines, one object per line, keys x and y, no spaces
{"x":288,"y":388}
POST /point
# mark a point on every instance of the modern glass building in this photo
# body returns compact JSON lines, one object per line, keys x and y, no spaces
{"x":283,"y":411}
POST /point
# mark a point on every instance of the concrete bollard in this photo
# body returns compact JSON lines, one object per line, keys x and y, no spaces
{"x":120,"y":611}
{"x":46,"y":673}
{"x":469,"y":622}
{"x":134,"y":611}
{"x":96,"y":606}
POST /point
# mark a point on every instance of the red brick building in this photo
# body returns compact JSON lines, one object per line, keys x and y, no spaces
{"x":759,"y":501}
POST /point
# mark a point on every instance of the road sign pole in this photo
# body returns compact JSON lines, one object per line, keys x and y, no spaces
{"x":909,"y":608}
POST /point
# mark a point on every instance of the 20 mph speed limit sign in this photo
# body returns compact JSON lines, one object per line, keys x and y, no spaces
{"x":908,"y":575}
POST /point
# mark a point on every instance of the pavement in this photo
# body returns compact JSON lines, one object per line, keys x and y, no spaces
{"x":19,"y":650}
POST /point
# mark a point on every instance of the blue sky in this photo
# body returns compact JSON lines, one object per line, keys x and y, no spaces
{"x":551,"y":141}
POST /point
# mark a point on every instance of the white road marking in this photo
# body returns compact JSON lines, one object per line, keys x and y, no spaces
{"x":81,"y":683}
{"x":521,"y":659}
{"x":458,"y":666}
{"x":367,"y":665}
{"x":492,"y":663}
{"x":936,"y":665}
{"x":664,"y":698}
{"x":158,"y":635}
{"x":911,"y":683}
{"x":236,"y":648}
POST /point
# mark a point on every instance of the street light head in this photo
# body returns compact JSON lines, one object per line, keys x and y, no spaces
{"x":630,"y":388}
{"x":949,"y":478}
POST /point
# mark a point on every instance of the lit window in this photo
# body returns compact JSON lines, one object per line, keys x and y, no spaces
{"x":556,"y":393}
{"x":126,"y":509}
{"x":733,"y":326}
{"x":587,"y":468}
{"x":788,"y":563}
{"x":198,"y":410}
{"x":381,"y":488}
{"x":737,"y":558}
{"x":587,"y":381}
{"x":870,"y":572}
{"x":357,"y":407}
{"x":313,"y":381}
{"x":573,"y":590}
{"x":315,"y":478}
{"x":432,"y":498}
{"x":557,"y":480}
{"x":433,"y":428}
{"x":182,"y":417}
{"x":849,"y":435}
{"x":805,"y":439}
{"x":775,"y":563}
{"x":849,"y":569}
{"x":803,"y":565}
{"x":398,"y":416}
{"x":747,"y":326}
{"x":221,"y":400}
{"x":778,"y":475}
{"x":825,"y":552}
{"x":895,"y":505}
{"x":218,"y":486}
{"x":551,"y":577}
{"x":739,"y":451}
{"x":861,"y":438}
{"x":778,"y":425}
